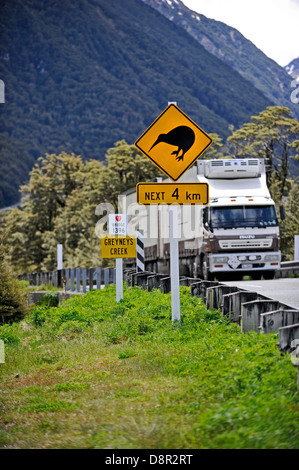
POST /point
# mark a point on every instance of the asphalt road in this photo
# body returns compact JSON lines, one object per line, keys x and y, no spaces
{"x":284,"y":290}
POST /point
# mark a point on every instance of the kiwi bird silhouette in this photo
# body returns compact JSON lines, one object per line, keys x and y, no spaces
{"x":182,"y":137}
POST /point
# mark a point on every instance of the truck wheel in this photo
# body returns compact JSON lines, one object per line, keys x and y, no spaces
{"x":207,"y":276}
{"x":268,"y":274}
{"x":184,"y":270}
{"x":256,"y":276}
{"x":196,"y":271}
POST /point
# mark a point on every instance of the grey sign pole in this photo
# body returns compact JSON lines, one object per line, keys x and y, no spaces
{"x":174,"y":263}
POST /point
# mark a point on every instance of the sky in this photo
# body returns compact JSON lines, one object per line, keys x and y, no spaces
{"x":272,"y":25}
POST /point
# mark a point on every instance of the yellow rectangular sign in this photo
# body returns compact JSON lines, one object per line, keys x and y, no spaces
{"x":172,"y":193}
{"x":118,"y":247}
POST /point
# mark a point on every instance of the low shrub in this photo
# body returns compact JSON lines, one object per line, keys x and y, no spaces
{"x":13,"y":300}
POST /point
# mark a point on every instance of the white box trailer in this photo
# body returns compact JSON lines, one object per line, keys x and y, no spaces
{"x":235,"y":234}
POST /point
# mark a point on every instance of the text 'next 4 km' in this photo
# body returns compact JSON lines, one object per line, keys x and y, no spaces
{"x":172,"y":193}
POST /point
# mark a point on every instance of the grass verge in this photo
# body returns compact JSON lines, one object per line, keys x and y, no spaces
{"x":91,"y":373}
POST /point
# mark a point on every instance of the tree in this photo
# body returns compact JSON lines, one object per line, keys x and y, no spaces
{"x":52,"y":180}
{"x":214,"y":151}
{"x":127,"y":166}
{"x":272,"y":135}
{"x":290,"y":226}
{"x":23,"y":240}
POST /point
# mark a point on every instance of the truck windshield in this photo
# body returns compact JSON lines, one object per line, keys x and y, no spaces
{"x":243,"y":216}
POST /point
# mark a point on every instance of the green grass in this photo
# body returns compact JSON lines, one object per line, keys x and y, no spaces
{"x":91,"y":373}
{"x":42,"y":287}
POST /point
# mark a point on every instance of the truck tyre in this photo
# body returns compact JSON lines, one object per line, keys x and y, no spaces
{"x":268,"y":274}
{"x":256,"y":276}
{"x":196,"y":268}
{"x":207,"y":276}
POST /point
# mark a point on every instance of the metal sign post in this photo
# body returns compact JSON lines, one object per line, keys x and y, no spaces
{"x":118,"y":224}
{"x":174,"y":264}
{"x":119,"y":279}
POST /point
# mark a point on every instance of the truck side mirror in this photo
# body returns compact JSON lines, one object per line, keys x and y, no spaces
{"x":282,"y":212}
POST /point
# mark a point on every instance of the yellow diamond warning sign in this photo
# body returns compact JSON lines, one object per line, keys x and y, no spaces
{"x":173,"y":142}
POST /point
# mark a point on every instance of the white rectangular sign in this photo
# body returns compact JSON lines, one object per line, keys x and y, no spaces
{"x":59,"y":257}
{"x":118,"y":224}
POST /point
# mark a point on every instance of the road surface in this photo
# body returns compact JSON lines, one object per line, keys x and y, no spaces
{"x":284,"y":290}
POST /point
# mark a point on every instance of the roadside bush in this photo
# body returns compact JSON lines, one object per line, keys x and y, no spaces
{"x":13,"y":300}
{"x":50,"y":299}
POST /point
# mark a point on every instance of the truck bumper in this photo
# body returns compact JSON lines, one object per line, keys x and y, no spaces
{"x":244,"y":262}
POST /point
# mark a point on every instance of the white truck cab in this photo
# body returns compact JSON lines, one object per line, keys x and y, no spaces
{"x":240,"y":227}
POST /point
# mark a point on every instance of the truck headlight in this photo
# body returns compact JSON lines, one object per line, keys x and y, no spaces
{"x":220,"y":259}
{"x":272,"y":258}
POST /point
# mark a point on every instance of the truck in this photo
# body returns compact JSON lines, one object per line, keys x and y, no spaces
{"x":235,"y":234}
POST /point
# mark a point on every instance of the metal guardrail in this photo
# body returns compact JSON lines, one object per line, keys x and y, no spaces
{"x":291,"y":264}
{"x":72,"y":279}
{"x":287,"y":269}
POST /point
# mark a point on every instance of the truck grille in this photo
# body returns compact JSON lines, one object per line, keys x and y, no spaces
{"x":237,"y":244}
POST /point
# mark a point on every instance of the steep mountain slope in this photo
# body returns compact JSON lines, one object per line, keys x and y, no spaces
{"x":293,"y":68}
{"x":230,"y":46}
{"x":82,"y":75}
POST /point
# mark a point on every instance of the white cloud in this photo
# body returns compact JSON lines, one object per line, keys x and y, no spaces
{"x":272,"y":25}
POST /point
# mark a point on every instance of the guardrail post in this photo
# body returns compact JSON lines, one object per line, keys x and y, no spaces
{"x":90,"y":278}
{"x":272,"y":321}
{"x":98,"y":277}
{"x":165,"y":284}
{"x":154,"y":281}
{"x":72,"y":279}
{"x":84,"y":280}
{"x":78,"y":279}
{"x":106,"y":276}
{"x":214,"y":295}
{"x":199,"y":289}
{"x":231,"y":304}
{"x":251,"y":311}
{"x":127,"y":274}
{"x":286,"y":335}
{"x":141,"y":279}
{"x":67,"y":275}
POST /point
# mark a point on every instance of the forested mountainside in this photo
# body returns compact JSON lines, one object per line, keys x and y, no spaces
{"x":230,"y":46}
{"x":81,"y":75}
